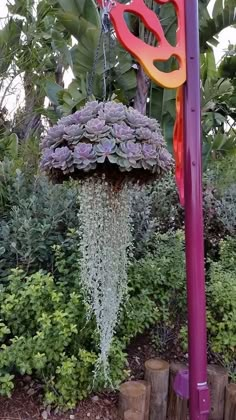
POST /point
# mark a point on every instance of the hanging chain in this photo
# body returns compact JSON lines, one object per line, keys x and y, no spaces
{"x":102,"y":43}
{"x":93,"y":71}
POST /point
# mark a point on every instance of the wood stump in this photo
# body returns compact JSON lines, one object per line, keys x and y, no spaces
{"x":157,"y":374}
{"x":148,"y":396}
{"x":133,"y":398}
{"x":217,"y":381}
{"x":133,"y":415}
{"x":177,"y":407}
{"x":230,"y":402}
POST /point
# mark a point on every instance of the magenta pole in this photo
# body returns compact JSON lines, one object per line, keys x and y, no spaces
{"x":199,"y":394}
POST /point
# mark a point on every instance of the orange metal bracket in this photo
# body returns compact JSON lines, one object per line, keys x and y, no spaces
{"x":147,"y":55}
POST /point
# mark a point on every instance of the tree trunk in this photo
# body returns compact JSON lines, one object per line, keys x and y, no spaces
{"x":31,"y":123}
{"x":218,"y":381}
{"x":59,"y":78}
{"x":143,"y":85}
{"x":157,"y":374}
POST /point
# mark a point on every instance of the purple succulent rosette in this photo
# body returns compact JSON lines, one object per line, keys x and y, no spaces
{"x":105,"y":150}
{"x":46,"y":159}
{"x":130,"y":154}
{"x":84,"y":157}
{"x":102,"y":134}
{"x":62,"y":159}
{"x":122,"y":132}
{"x":96,"y":129}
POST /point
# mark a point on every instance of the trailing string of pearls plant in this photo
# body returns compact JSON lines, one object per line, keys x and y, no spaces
{"x":106,"y":235}
{"x":111,"y":149}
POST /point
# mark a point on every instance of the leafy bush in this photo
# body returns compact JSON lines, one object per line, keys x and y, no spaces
{"x":221,"y":189}
{"x":221,"y":304}
{"x":7,"y":179}
{"x":45,"y":330}
{"x":157,"y":281}
{"x":226,"y":209}
{"x":42,"y":336}
{"x":16,"y":160}
{"x":156,"y":209}
{"x":221,"y":307}
{"x":38,"y":218}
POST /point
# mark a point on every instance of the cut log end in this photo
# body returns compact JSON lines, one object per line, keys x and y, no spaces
{"x":133,"y":415}
{"x":133,"y":397}
{"x":132,"y":389}
{"x":218,"y":381}
{"x":177,"y":407}
{"x":157,"y":374}
{"x":156,"y":364}
{"x":230,"y":402}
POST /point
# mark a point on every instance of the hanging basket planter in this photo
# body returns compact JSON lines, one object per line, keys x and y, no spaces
{"x":105,"y":138}
{"x":110,"y":149}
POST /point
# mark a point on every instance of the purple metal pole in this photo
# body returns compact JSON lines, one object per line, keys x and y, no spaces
{"x":199,"y":394}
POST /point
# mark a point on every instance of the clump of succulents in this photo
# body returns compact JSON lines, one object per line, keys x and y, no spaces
{"x":106,"y":133}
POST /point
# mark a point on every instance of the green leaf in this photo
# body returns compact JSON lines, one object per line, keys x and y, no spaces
{"x":223,"y":17}
{"x":52,"y":89}
{"x":82,"y":8}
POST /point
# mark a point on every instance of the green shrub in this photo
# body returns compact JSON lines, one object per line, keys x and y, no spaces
{"x":7,"y":179}
{"x":156,"y":209}
{"x":160,"y":275}
{"x":221,"y":209}
{"x":45,"y":330}
{"x":38,"y":218}
{"x":221,"y":305}
{"x":226,"y":209}
{"x":157,"y":282}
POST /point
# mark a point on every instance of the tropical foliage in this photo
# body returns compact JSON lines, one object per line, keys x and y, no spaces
{"x":59,"y":35}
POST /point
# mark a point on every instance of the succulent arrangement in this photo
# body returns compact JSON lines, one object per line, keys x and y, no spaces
{"x":105,"y":138}
{"x":103,"y":134}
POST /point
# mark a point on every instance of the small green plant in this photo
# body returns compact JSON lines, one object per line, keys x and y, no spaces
{"x":160,"y":274}
{"x":221,"y":307}
{"x":157,"y":281}
{"x":38,"y":217}
{"x":45,"y":332}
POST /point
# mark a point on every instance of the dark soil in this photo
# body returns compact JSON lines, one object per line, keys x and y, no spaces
{"x":26,"y":401}
{"x":110,"y":173}
{"x":22,"y":406}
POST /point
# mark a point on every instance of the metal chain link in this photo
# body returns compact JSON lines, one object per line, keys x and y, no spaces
{"x":102,"y":42}
{"x":93,"y":71}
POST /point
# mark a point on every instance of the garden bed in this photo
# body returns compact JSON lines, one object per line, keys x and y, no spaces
{"x":26,"y":401}
{"x":22,"y":406}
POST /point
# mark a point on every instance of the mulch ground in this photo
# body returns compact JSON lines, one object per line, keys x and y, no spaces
{"x":22,"y":406}
{"x":26,"y":401}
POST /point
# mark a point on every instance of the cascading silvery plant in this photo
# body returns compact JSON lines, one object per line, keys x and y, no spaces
{"x":110,"y":149}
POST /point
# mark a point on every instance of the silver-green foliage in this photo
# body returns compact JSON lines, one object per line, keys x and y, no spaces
{"x":38,"y":217}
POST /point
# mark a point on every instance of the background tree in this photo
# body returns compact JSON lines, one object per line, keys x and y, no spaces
{"x":54,"y":35}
